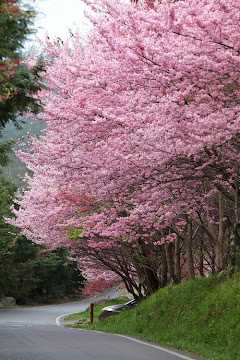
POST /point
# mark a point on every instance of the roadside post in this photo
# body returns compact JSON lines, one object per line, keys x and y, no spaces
{"x":91,"y":312}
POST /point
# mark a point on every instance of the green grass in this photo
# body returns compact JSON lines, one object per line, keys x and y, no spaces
{"x":97,"y":309}
{"x":200,"y":316}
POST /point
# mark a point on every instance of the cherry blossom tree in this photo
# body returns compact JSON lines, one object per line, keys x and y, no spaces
{"x":139,"y":166}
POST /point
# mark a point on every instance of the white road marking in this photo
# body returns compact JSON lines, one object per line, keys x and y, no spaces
{"x":157,"y":347}
{"x":59,"y":323}
{"x":59,"y":320}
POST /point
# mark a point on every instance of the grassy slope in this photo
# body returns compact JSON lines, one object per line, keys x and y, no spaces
{"x":97,"y":309}
{"x":200,"y":316}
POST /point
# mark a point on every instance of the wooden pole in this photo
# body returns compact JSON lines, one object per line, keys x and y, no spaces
{"x":91,"y":312}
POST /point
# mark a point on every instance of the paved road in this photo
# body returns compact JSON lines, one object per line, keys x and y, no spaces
{"x":33,"y":334}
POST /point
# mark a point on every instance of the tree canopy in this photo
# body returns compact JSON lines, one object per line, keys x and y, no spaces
{"x":139,"y":170}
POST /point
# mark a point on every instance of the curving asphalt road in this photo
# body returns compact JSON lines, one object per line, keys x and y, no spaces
{"x":34,"y":334}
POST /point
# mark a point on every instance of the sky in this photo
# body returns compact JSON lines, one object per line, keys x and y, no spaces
{"x":57,"y":16}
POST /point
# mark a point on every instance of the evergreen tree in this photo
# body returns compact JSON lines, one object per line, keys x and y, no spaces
{"x":18,"y":82}
{"x":7,"y":236}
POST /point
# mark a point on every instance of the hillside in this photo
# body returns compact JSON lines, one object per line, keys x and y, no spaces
{"x":16,"y":170}
{"x":200,"y":316}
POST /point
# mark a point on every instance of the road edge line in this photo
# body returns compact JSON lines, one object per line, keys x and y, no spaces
{"x":185,"y":357}
{"x":59,"y":320}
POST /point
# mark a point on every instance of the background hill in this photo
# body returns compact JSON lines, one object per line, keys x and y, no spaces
{"x":16,"y":170}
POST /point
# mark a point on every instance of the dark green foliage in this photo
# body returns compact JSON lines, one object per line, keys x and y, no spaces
{"x":58,"y":275}
{"x":5,"y":148}
{"x":26,"y":82}
{"x":41,"y":276}
{"x":7,"y":237}
{"x":18,"y":82}
{"x":29,"y":272}
{"x":14,"y":29}
{"x":7,"y":191}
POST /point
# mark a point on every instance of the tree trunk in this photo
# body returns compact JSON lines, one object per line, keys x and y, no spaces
{"x":170,"y":264}
{"x":220,"y":240}
{"x":188,"y":247}
{"x":151,"y":281}
{"x":201,"y":271}
{"x":234,"y":244}
{"x":177,"y":266}
{"x":163,"y":271}
{"x":148,"y":268}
